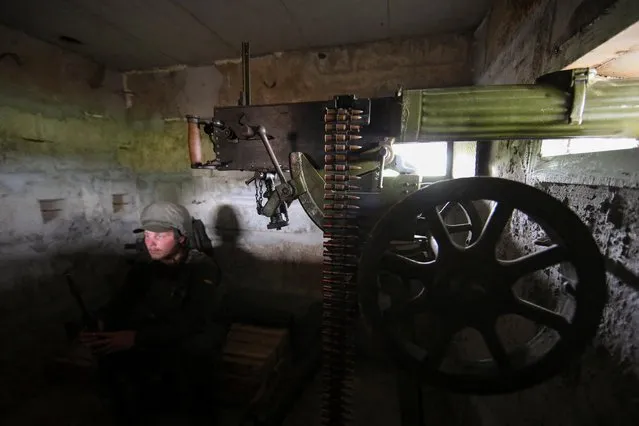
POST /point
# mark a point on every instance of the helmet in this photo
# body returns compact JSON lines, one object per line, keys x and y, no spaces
{"x":164,"y":216}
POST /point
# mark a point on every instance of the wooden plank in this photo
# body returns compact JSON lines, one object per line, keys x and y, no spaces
{"x":251,"y":362}
{"x":248,"y":350}
{"x":261,"y":338}
{"x":263,"y":346}
{"x":257,"y":339}
{"x":619,"y":17}
{"x":253,"y":351}
{"x":244,"y":370}
{"x":247,"y":328}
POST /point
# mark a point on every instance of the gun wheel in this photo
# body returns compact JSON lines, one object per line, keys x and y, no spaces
{"x":554,"y":297}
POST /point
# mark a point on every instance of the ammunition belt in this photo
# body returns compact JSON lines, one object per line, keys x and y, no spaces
{"x":341,"y":248}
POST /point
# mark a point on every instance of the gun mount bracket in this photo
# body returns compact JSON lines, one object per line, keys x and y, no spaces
{"x":575,"y":81}
{"x":581,"y":78}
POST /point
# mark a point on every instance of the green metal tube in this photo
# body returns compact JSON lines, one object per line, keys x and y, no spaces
{"x":535,"y":111}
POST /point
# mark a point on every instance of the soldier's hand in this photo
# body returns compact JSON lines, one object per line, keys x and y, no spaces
{"x":107,"y":342}
{"x":100,"y":327}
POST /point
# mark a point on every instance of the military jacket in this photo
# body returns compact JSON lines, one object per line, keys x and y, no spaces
{"x":167,"y":304}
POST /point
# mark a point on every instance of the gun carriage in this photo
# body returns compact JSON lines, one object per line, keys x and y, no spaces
{"x":402,"y":245}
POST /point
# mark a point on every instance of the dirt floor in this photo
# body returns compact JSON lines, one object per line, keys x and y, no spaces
{"x":375,"y":403}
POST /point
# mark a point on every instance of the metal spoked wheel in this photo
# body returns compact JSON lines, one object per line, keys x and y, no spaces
{"x":468,"y":286}
{"x":462,"y":221}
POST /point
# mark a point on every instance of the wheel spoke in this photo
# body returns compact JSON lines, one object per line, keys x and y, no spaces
{"x":439,"y":344}
{"x":459,"y":227}
{"x":535,"y":261}
{"x":438,"y":229}
{"x":446,"y":209}
{"x":405,"y":267}
{"x":542,"y":316}
{"x":408,"y":307}
{"x":495,"y":224}
{"x":495,"y":346}
{"x":422,"y":227}
{"x":472,"y":284}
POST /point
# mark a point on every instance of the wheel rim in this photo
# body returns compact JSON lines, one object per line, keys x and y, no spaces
{"x":477,"y":262}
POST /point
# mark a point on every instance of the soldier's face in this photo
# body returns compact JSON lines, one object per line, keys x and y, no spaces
{"x":161,"y":245}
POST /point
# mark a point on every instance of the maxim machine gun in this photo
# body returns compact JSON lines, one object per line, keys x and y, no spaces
{"x":390,"y":249}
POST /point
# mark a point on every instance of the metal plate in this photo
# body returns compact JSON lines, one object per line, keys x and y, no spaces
{"x":297,"y":127}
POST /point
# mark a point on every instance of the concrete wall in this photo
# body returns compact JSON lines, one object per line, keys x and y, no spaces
{"x":60,"y":129}
{"x":373,"y":69}
{"x":84,"y":148}
{"x":81,"y":153}
{"x":519,"y":41}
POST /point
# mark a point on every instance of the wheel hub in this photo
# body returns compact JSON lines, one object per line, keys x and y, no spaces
{"x":468,"y":288}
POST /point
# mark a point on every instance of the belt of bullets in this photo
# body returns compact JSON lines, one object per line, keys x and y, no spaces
{"x":341,"y":248}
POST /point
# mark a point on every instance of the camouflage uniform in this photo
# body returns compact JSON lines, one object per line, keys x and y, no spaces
{"x":177,"y":313}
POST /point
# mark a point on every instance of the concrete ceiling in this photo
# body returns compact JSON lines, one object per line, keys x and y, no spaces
{"x":142,"y":34}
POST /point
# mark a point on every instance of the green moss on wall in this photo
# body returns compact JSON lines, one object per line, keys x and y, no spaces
{"x":141,"y":146}
{"x":156,"y":150}
{"x":36,"y":134}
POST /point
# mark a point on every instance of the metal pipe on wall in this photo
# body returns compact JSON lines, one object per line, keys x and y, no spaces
{"x":246,"y":75}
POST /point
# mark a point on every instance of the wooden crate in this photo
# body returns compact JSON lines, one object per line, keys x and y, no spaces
{"x":250,"y":358}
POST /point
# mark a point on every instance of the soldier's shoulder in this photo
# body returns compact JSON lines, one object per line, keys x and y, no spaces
{"x":197,"y":257}
{"x":203,"y":267}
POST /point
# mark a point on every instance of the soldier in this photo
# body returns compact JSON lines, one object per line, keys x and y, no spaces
{"x":164,"y":330}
